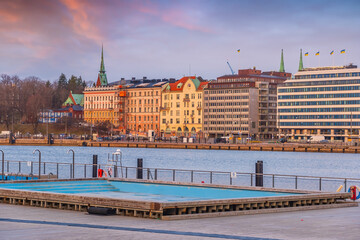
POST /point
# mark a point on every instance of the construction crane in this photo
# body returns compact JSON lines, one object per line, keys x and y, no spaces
{"x":232,"y":71}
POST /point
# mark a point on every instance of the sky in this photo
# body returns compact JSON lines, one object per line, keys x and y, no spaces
{"x":173,"y":38}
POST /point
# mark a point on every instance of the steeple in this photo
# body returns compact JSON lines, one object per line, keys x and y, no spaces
{"x":102,"y":79}
{"x":282,"y":67}
{"x":102,"y":66}
{"x":301,"y":66}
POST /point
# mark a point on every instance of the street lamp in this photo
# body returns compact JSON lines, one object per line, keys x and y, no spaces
{"x":37,"y":150}
{"x":73,"y":160}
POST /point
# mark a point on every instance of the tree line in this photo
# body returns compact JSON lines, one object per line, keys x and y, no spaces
{"x":21,"y":100}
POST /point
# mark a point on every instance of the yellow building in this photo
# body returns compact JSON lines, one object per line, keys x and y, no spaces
{"x":102,"y":104}
{"x":181,"y":111}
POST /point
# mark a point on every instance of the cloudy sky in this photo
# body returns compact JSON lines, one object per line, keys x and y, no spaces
{"x":169,"y":38}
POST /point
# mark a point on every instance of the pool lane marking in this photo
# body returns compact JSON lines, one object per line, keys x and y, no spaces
{"x":146,"y":230}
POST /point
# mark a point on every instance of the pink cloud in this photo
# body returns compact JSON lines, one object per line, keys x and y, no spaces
{"x":81,"y":23}
{"x":174,"y":16}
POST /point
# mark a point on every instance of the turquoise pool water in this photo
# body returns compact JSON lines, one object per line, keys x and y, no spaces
{"x":141,"y":191}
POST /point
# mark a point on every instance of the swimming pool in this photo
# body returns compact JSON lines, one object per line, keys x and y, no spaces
{"x":142,"y":191}
{"x":163,"y":200}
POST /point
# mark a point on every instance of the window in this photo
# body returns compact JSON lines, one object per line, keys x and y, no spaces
{"x":177,"y":104}
{"x":177,"y":96}
{"x":171,"y":120}
{"x":199,"y":120}
{"x":177,"y":112}
{"x":139,"y":109}
{"x":178,"y":120}
{"x":164,"y":121}
{"x":171,"y":112}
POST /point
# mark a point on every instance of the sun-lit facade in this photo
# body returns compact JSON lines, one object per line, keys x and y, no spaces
{"x":181,"y":108}
{"x":321,"y":101}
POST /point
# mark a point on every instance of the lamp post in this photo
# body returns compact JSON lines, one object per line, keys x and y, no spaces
{"x":37,"y":150}
{"x":73,"y":162}
{"x":2,"y":164}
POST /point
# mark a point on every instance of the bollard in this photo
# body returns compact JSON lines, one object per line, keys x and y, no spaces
{"x":259,"y":181}
{"x":139,"y":173}
{"x":95,"y":162}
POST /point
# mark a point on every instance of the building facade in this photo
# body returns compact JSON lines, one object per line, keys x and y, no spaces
{"x":105,"y":103}
{"x":243,"y":104}
{"x":143,"y":106}
{"x":321,"y":101}
{"x":181,"y":108}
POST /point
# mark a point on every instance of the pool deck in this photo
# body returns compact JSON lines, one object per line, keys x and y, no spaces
{"x":177,"y":210}
{"x":22,"y":222}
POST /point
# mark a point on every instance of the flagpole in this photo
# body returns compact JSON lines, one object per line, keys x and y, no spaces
{"x":333,"y":60}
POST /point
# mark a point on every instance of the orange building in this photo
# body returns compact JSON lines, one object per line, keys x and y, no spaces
{"x":143,"y":106}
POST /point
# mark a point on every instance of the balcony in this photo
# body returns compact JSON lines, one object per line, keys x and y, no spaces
{"x":199,"y":107}
{"x":164,"y":108}
{"x":186,"y":99}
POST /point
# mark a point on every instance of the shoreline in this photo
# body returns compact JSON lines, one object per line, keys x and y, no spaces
{"x":279,"y":147}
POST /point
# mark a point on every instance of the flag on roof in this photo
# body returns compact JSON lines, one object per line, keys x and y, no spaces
{"x":307,"y":54}
{"x":332,"y":52}
{"x":317,"y":54}
{"x":238,"y":50}
{"x":342,"y":51}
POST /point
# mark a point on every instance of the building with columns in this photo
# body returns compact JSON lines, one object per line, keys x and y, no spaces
{"x":321,"y":101}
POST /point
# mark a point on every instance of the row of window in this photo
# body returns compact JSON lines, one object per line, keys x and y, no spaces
{"x":315,"y":83}
{"x":186,"y":112}
{"x":227,"y":116}
{"x":347,"y":109}
{"x":227,"y":104}
{"x":225,"y":128}
{"x":300,"y":124}
{"x":347,"y":116}
{"x":149,"y":118}
{"x":177,"y":120}
{"x":187,"y":96}
{"x":149,"y":110}
{"x":146,"y":101}
{"x":226,"y":97}
{"x":226,"y":91}
{"x":319,"y":89}
{"x":310,"y":96}
{"x":329,"y":75}
{"x":146,"y":93}
{"x":227,"y":110}
{"x":314,"y":103}
{"x":186,"y":104}
{"x":144,"y":128}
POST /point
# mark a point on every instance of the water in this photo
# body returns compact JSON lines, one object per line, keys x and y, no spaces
{"x":141,"y":191}
{"x":291,"y":163}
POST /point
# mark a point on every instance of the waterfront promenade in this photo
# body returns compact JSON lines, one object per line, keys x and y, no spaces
{"x":21,"y":222}
{"x":266,"y":146}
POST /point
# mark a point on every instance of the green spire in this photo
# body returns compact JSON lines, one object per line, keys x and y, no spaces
{"x":102,"y":79}
{"x":301,"y":66}
{"x":282,"y":67}
{"x":102,"y":66}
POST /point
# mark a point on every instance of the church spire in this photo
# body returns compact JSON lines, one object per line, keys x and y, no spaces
{"x":282,"y":67}
{"x":102,"y":79}
{"x":301,"y":66}
{"x":102,"y":66}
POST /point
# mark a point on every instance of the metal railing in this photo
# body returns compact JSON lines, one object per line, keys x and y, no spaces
{"x":82,"y":170}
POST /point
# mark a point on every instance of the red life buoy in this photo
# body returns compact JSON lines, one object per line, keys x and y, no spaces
{"x":100,"y":172}
{"x":352,"y":190}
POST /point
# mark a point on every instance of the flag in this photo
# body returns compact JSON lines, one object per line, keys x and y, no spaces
{"x":307,"y":54}
{"x":238,"y":50}
{"x":332,"y":52}
{"x":342,"y":51}
{"x":317,"y":54}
